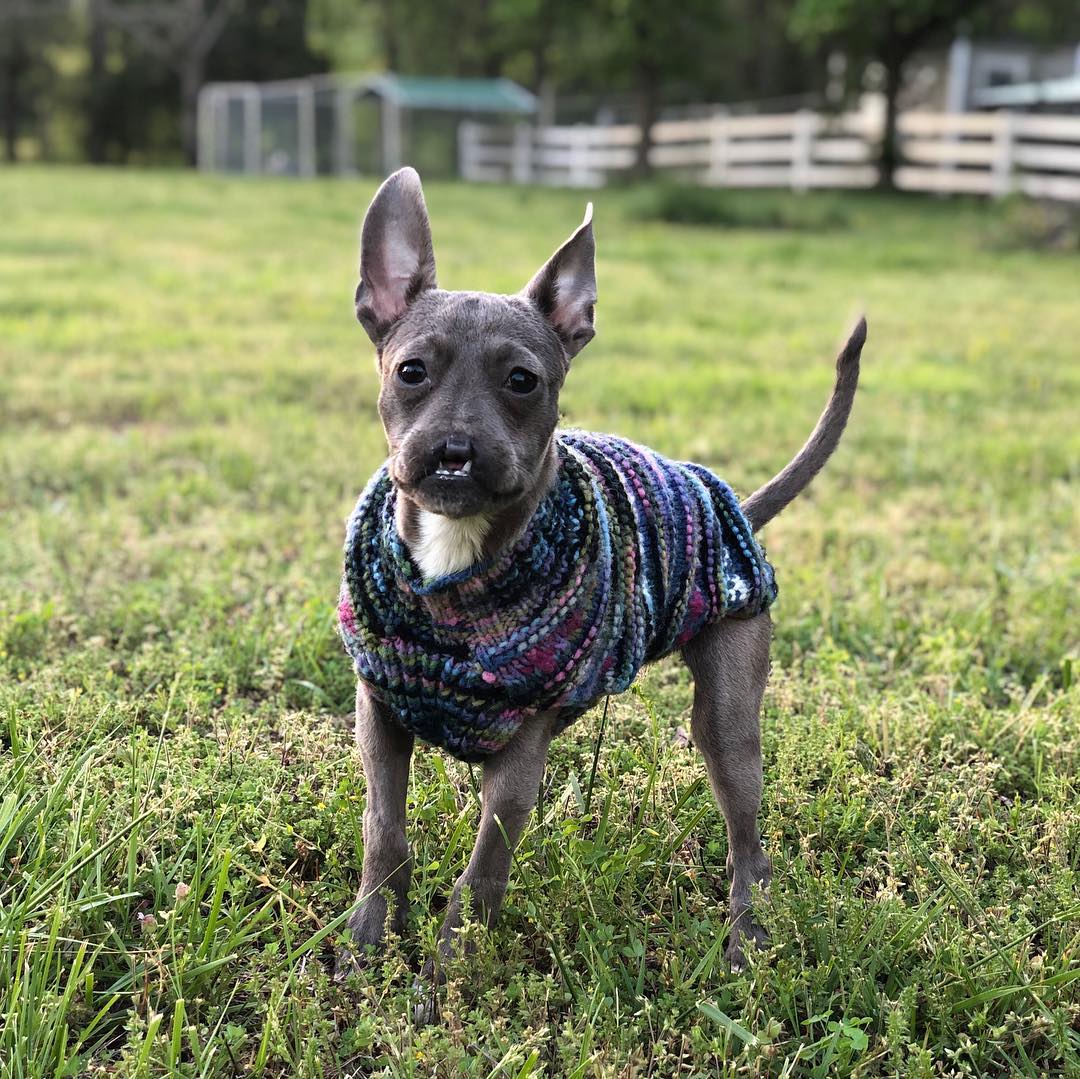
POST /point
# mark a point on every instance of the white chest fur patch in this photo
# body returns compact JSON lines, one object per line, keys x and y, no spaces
{"x":448,"y":544}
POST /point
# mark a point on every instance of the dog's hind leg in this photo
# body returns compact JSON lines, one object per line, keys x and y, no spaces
{"x":386,"y":749}
{"x":508,"y":793}
{"x":730,"y":664}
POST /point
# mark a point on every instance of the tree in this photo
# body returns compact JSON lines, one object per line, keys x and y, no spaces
{"x":611,"y":51}
{"x":27,"y":30}
{"x":180,"y":34}
{"x":136,"y":100}
{"x":649,"y":52}
{"x":889,"y":31}
{"x":355,"y":36}
{"x":96,"y":135}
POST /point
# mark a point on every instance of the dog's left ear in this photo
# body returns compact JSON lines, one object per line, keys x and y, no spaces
{"x":397,"y":262}
{"x":564,"y":289}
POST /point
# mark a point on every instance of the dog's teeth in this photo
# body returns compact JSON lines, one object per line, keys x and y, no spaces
{"x":447,"y":473}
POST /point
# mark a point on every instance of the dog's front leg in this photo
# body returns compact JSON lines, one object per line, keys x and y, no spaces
{"x":508,"y":793}
{"x":730,"y":664}
{"x":386,"y":749}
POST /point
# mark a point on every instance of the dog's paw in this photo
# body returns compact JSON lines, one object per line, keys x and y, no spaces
{"x":426,"y":991}
{"x":746,"y":936}
{"x":349,"y":959}
{"x":344,"y":965}
{"x":426,"y":1011}
{"x":359,"y":951}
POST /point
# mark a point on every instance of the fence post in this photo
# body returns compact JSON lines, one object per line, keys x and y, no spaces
{"x":252,"y":129}
{"x":579,"y":157}
{"x":521,"y":160}
{"x":802,"y":149}
{"x":1004,"y":140}
{"x":206,"y":128}
{"x":344,"y":130}
{"x":305,"y":131}
{"x":466,"y":140}
{"x":870,"y":122}
{"x":390,"y":120}
{"x":716,"y":171}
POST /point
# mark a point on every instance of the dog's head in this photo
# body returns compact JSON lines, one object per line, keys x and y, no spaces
{"x":470,"y":380}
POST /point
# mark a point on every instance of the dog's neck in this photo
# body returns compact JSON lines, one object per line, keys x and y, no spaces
{"x":443,"y":545}
{"x":446,"y":545}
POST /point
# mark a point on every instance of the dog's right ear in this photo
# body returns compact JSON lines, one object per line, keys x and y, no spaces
{"x":564,"y":288}
{"x":397,"y":262}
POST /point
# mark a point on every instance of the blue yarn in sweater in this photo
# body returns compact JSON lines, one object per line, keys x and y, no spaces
{"x":626,"y":559}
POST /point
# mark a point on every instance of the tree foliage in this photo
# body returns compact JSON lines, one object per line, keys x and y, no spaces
{"x":132,"y":68}
{"x":32,"y":39}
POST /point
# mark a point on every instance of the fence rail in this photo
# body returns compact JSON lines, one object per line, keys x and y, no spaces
{"x":976,"y":153}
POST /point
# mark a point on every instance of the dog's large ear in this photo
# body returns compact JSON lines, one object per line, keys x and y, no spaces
{"x":565,"y":288}
{"x":397,"y":262}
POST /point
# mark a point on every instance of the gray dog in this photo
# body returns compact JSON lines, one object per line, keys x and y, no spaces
{"x":469,"y":401}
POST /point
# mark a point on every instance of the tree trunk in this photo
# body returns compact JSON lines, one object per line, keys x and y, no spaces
{"x":765,"y":60}
{"x":889,"y":156}
{"x":391,"y":44}
{"x":192,"y":76}
{"x":647,"y":84}
{"x":648,"y":105}
{"x":491,"y":57}
{"x":96,"y":136}
{"x":14,"y":65}
{"x":541,"y":43}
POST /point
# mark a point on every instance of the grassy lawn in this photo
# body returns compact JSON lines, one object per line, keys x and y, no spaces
{"x":187,"y":413}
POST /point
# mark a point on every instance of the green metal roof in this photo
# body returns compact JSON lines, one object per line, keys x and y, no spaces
{"x":459,"y":95}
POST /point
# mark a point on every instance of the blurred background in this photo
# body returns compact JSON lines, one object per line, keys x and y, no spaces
{"x":937,"y":95}
{"x":188,"y":411}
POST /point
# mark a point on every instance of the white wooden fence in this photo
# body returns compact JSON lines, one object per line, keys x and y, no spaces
{"x":977,"y":153}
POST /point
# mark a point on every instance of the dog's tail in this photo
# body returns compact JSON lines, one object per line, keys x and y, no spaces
{"x":766,"y":502}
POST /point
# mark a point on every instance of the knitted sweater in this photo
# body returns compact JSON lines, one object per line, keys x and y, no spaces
{"x":627,"y":558}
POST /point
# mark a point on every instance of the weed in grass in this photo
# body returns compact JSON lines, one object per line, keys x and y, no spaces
{"x":687,"y":204}
{"x":1038,"y":225}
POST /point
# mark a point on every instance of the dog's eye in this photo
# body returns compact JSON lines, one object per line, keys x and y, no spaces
{"x":521,"y":381}
{"x":412,"y":372}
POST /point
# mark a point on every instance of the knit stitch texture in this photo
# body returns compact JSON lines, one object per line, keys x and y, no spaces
{"x":627,"y":558}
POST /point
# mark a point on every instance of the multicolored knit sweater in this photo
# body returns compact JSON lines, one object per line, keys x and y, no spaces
{"x":627,"y":558}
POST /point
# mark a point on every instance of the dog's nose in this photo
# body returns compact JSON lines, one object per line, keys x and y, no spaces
{"x":458,"y":450}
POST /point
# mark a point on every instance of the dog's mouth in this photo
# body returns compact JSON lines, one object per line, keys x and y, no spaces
{"x":456,"y":485}
{"x":450,"y":469}
{"x":453,"y":487}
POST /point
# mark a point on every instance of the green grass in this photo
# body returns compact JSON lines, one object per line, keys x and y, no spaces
{"x":187,"y":413}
